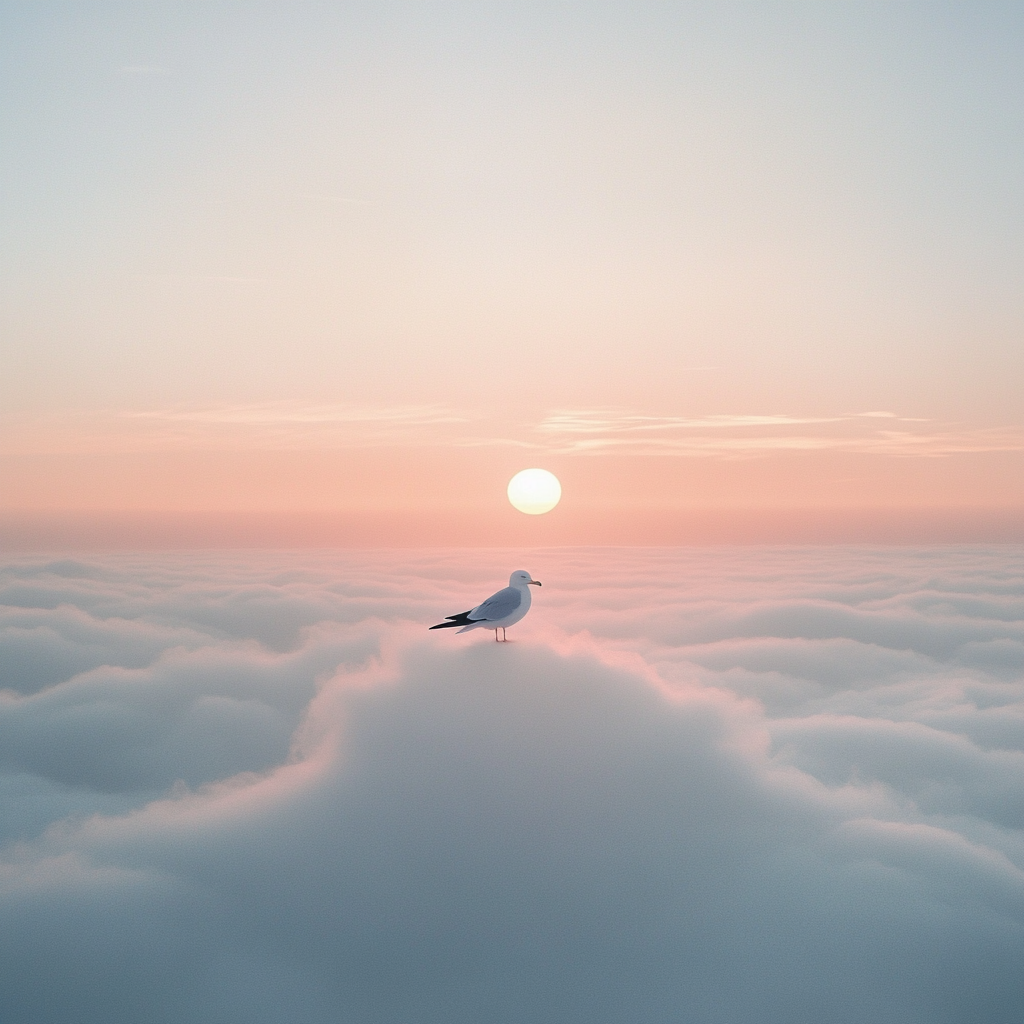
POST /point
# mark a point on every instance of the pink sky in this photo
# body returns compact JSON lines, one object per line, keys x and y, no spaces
{"x":331,"y":277}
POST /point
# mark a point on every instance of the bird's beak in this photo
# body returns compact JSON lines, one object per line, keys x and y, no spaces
{"x":534,"y":583}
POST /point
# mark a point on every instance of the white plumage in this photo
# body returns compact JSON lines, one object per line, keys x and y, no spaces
{"x":505,"y":608}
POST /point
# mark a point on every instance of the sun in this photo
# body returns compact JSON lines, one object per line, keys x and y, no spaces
{"x":534,"y":491}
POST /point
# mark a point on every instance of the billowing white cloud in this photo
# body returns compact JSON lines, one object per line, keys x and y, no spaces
{"x":735,"y":785}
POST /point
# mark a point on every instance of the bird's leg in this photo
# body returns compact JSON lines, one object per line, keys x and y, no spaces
{"x":495,"y":634}
{"x":504,"y":639}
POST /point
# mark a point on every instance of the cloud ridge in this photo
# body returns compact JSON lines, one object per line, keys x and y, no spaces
{"x":736,"y":784}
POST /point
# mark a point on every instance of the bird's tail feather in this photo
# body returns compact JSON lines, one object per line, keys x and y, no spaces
{"x":462,"y":619}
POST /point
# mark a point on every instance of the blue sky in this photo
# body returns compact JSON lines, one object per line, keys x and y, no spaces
{"x":236,"y":202}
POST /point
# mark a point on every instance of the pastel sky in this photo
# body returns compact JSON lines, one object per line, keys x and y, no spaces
{"x":276,"y":272}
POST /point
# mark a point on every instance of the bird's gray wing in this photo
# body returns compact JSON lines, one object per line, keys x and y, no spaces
{"x":498,"y":605}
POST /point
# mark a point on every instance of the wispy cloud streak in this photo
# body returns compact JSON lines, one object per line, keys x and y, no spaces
{"x":584,"y":432}
{"x":274,"y":425}
{"x":596,"y":432}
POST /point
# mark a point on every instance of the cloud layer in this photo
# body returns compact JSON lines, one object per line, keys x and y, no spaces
{"x":746,"y":784}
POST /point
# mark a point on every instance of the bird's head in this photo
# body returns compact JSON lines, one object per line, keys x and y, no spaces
{"x":521,"y":578}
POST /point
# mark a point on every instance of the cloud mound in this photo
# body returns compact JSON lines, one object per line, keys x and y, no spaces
{"x":740,"y":785}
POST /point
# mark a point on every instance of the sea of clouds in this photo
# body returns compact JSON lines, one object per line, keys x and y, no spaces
{"x":714,"y":786}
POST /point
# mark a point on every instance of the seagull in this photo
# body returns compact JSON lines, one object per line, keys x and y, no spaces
{"x":505,"y":608}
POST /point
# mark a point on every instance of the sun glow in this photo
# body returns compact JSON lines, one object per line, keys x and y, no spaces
{"x":534,"y":491}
